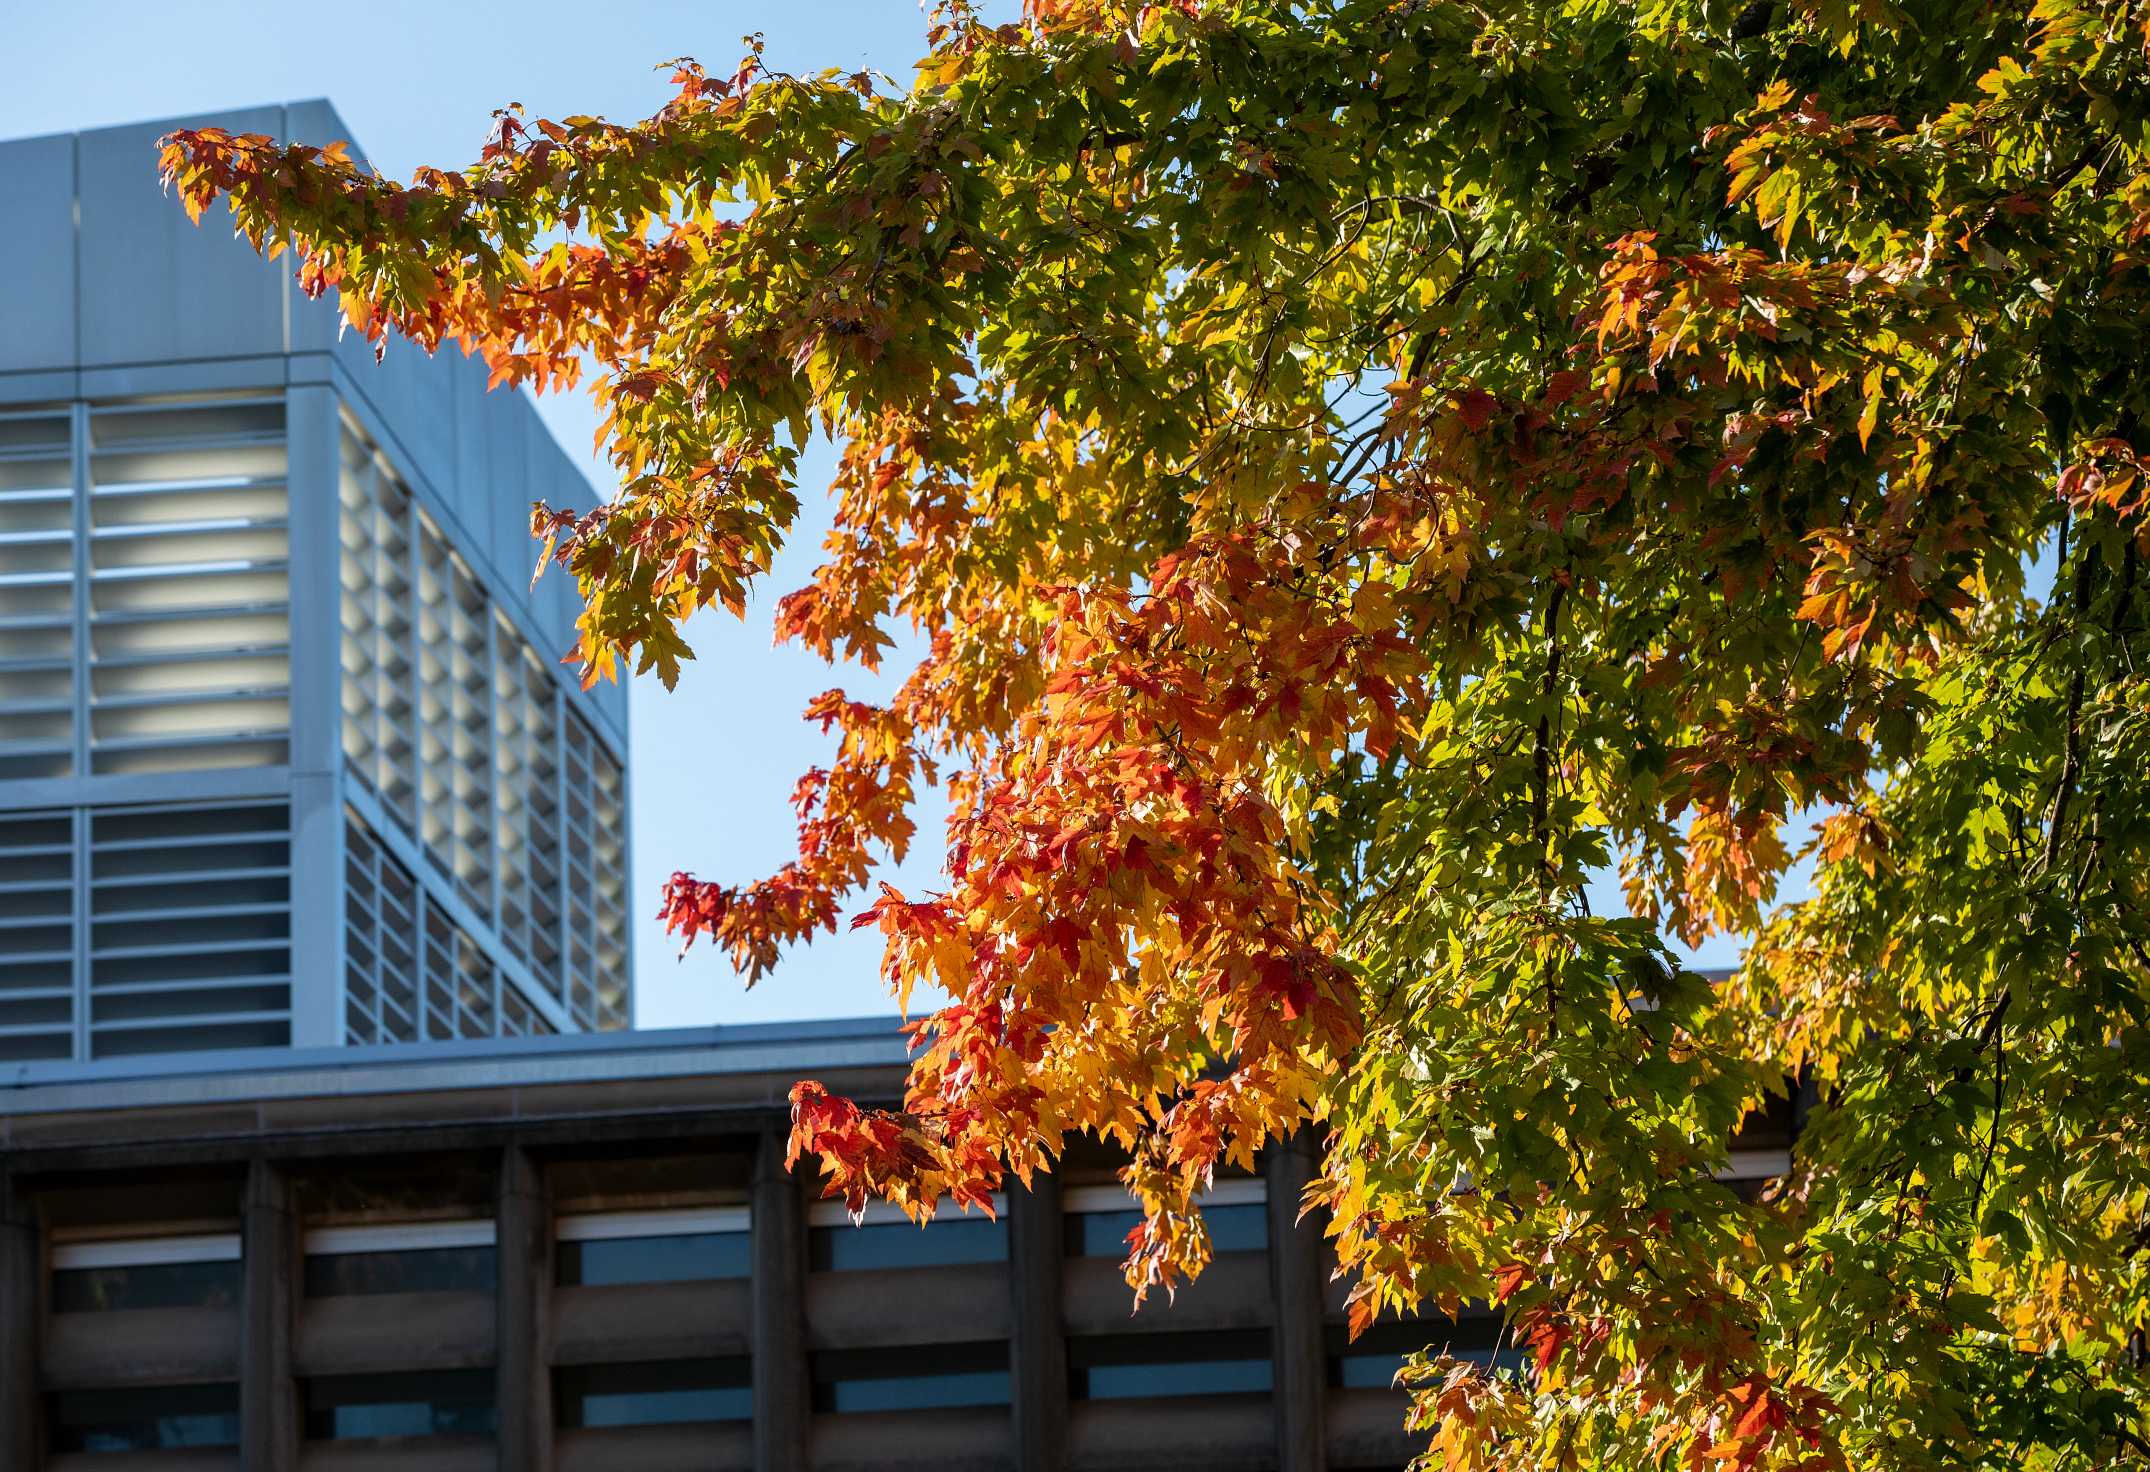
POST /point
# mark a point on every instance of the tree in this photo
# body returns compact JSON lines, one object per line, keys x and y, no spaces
{"x":1361,"y":469}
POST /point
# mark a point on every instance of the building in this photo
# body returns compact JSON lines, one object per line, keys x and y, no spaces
{"x":300,"y":825}
{"x":287,"y":757}
{"x":582,"y":1254}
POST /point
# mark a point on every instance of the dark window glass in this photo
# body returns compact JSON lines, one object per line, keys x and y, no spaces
{"x":145,"y":1420}
{"x":1148,"y":1365}
{"x":435,"y":1403}
{"x":940,"y":1243}
{"x":657,"y":1394}
{"x":1104,"y":1233}
{"x":146,"y":1285}
{"x":422,"y":1270}
{"x":681,"y":1259}
{"x":1371,"y":1361}
{"x":937,"y":1376}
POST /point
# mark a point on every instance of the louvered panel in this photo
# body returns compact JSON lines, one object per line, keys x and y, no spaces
{"x":541,"y":718}
{"x":471,"y":741}
{"x":37,"y":871}
{"x":188,"y":587}
{"x":511,"y":797}
{"x":359,"y":612}
{"x":380,"y":915}
{"x":37,"y":595}
{"x":190,"y":928}
{"x":579,"y":850}
{"x":396,"y":777}
{"x":608,"y":818}
{"x":436,"y":698}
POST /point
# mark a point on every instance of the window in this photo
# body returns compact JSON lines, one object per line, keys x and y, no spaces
{"x":415,"y":1257}
{"x":1099,"y":1218}
{"x":145,"y":1273}
{"x":888,"y":1239}
{"x":659,"y":1393}
{"x":653,"y":1247}
{"x":927,"y":1378}
{"x":1371,"y":1361}
{"x":432,"y":1403}
{"x":160,"y":1418}
{"x":1135,"y":1366}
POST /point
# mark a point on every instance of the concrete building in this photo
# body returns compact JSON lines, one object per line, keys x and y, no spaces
{"x":287,"y":757}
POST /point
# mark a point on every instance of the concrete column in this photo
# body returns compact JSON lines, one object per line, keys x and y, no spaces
{"x":268,"y":1305}
{"x":1296,"y":1260}
{"x":523,"y":1299}
{"x":21,"y":1329}
{"x":1037,"y":1346}
{"x":783,"y":1401}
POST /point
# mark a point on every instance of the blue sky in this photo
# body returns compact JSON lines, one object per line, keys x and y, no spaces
{"x":416,"y":81}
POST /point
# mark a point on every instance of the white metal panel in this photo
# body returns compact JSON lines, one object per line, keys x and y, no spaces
{"x":613,"y":1226}
{"x":37,"y":254}
{"x":138,"y":1252}
{"x":155,"y":287}
{"x":398,"y":1237}
{"x":1237,"y":1191}
{"x":882,"y":1214}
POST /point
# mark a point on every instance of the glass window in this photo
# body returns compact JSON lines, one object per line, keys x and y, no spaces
{"x":610,"y":1261}
{"x":1104,"y":1233}
{"x":422,"y":1270}
{"x":145,"y":1285}
{"x":146,"y":1273}
{"x":1138,"y":1366}
{"x":888,"y":1239}
{"x":933,"y":1377}
{"x":434,"y":1403}
{"x":663,"y":1393}
{"x":1371,"y":1361}
{"x":938,"y":1244}
{"x":407,"y":1257}
{"x":155,"y":1419}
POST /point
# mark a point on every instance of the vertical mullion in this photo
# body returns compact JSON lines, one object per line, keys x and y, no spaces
{"x":80,"y":879}
{"x":79,"y":724}
{"x":78,"y":440}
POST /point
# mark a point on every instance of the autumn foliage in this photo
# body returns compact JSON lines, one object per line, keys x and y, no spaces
{"x":1361,"y":471}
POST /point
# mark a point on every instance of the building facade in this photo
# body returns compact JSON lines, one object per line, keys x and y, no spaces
{"x":287,"y":755}
{"x":583,"y":1254}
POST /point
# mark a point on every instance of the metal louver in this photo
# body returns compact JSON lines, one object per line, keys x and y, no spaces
{"x":37,"y":936}
{"x":37,"y":594}
{"x":189,"y":603}
{"x":189,"y":928}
